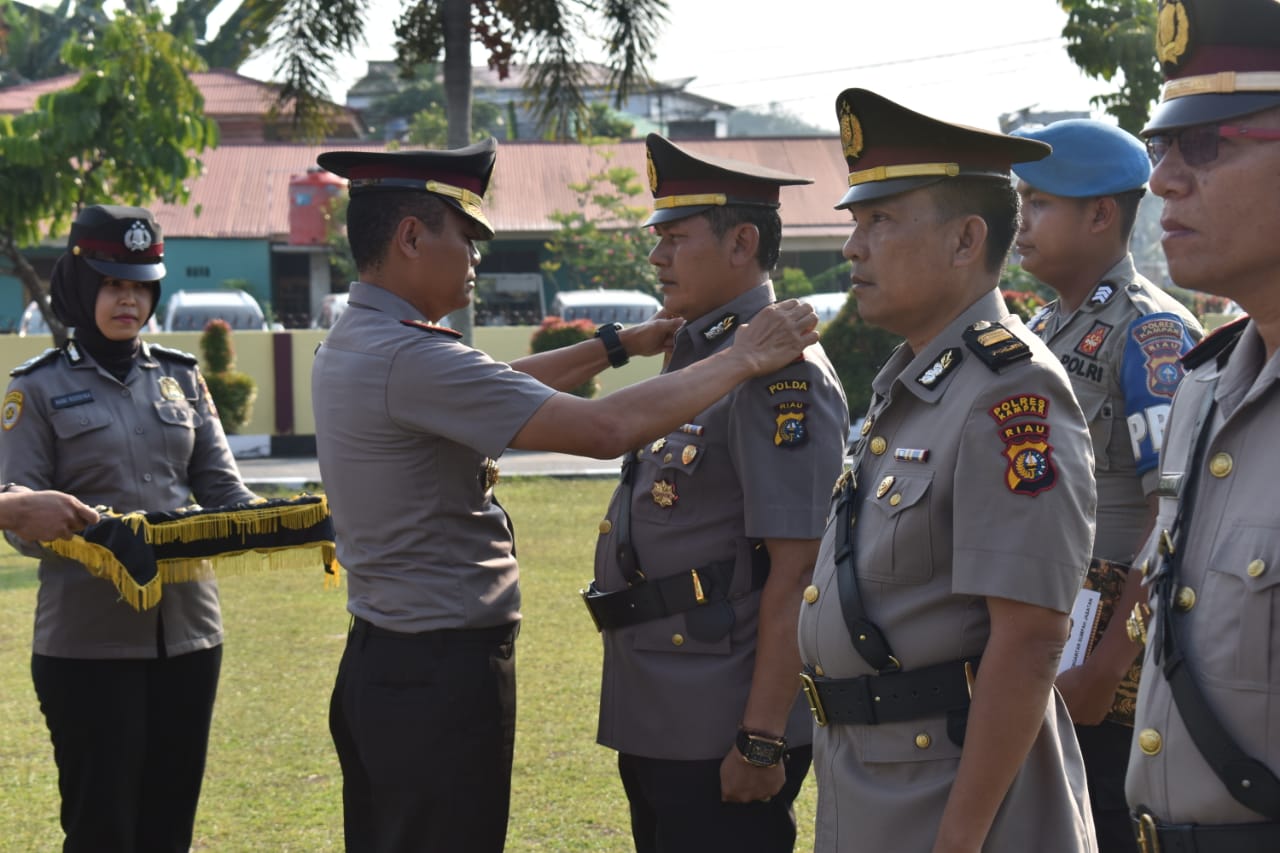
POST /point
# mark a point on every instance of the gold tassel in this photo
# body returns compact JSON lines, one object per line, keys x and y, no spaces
{"x":101,"y":563}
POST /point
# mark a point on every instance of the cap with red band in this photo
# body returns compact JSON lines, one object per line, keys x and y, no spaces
{"x":122,"y":242}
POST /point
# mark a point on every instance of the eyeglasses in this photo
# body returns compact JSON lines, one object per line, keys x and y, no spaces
{"x":1199,"y":144}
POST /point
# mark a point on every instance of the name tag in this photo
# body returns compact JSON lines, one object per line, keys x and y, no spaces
{"x":1169,"y":485}
{"x":76,"y":398}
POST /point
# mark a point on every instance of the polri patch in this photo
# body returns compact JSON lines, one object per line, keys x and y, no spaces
{"x":790,"y":426}
{"x":948,"y":361}
{"x":1161,"y":342}
{"x":1092,"y":342}
{"x":76,"y":398}
{"x":11,"y":410}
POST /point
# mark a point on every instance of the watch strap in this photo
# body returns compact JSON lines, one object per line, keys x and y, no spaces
{"x":608,"y":335}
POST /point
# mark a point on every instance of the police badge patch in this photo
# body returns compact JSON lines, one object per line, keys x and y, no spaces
{"x":1031,"y":470}
{"x":1161,"y":342}
{"x":790,"y":427}
{"x":1092,"y":342}
{"x":11,"y":411}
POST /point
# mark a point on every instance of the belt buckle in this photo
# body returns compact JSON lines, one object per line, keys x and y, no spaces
{"x":586,"y":599}
{"x":1148,"y":840}
{"x":815,"y":702}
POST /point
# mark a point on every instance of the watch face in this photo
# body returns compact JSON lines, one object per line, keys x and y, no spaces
{"x":762,"y":752}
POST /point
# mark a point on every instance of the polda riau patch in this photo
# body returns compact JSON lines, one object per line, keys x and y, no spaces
{"x":12,"y":410}
{"x":790,"y":429}
{"x":1031,"y":468}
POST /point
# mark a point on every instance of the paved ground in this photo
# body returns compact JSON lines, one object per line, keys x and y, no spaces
{"x":298,"y":471}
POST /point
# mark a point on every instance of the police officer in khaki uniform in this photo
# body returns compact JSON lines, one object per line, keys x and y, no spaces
{"x":1206,"y":755}
{"x":119,"y":422}
{"x":958,"y":542}
{"x":1119,"y":338}
{"x":710,"y":539}
{"x":409,"y":422}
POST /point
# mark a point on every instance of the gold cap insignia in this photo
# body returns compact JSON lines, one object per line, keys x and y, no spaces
{"x":652,"y":170}
{"x":1173,"y":31}
{"x":850,"y":133}
{"x":170,"y":389}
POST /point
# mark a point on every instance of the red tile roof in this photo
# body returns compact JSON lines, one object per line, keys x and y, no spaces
{"x":244,"y":190}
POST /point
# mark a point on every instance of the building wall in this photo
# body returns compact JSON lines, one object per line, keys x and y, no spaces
{"x":200,"y":264}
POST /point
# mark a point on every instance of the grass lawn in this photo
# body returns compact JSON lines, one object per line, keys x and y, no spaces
{"x":273,"y":783}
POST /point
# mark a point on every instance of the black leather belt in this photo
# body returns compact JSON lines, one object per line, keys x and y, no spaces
{"x":1156,"y":837}
{"x":905,"y":695}
{"x":654,"y":599}
{"x":441,"y":636}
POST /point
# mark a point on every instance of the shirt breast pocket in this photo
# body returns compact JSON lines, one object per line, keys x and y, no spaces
{"x":1238,"y":629}
{"x":662,"y":473}
{"x":896,"y":528}
{"x":178,"y":427}
{"x":74,"y":425}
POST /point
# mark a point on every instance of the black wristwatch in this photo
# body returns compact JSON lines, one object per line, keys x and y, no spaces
{"x":608,"y":334}
{"x":759,"y":749}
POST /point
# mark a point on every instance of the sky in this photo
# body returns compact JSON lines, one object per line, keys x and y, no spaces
{"x":961,"y":62}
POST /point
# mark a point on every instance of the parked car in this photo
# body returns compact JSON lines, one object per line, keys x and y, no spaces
{"x":191,"y":310}
{"x":33,"y":322}
{"x":604,"y":306}
{"x":827,"y":305}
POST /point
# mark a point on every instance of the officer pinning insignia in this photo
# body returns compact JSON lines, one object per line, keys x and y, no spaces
{"x":76,"y":398}
{"x":995,"y":346}
{"x":664,"y":493}
{"x":170,"y":389}
{"x":1092,"y":341}
{"x":11,"y":410}
{"x":911,"y":454}
{"x":459,"y":177}
{"x":1160,"y":339}
{"x":1102,"y":293}
{"x":948,"y":361}
{"x":720,"y":327}
{"x":790,"y":427}
{"x":432,"y":327}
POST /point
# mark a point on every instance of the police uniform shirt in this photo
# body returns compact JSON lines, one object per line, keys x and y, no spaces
{"x":1230,"y":632}
{"x":408,"y":423}
{"x":758,"y":464}
{"x":1121,"y":349}
{"x":974,"y":483}
{"x":148,"y":443}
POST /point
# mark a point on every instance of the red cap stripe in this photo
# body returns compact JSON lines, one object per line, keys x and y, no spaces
{"x":1210,"y":59}
{"x":398,"y":170}
{"x":116,"y":248}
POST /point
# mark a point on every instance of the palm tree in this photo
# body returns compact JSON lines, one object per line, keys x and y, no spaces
{"x":309,"y":34}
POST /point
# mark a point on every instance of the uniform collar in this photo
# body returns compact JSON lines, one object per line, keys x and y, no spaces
{"x":381,"y":299}
{"x":907,"y":368}
{"x":1247,"y":373}
{"x":710,"y":331}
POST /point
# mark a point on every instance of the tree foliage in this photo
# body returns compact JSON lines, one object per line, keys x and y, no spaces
{"x":233,"y":392}
{"x":1114,"y":40}
{"x":602,"y":243}
{"x":126,"y":132}
{"x":555,"y":333}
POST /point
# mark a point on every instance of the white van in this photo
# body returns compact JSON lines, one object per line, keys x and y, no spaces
{"x":827,"y":305}
{"x":191,"y":310}
{"x":604,"y":306}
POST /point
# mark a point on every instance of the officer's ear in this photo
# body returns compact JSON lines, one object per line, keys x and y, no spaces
{"x":970,"y":236}
{"x":407,"y":233}
{"x":1104,"y":212}
{"x":746,"y":241}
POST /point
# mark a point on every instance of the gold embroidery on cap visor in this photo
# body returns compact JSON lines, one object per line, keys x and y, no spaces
{"x":1172,"y":32}
{"x":700,"y":200}
{"x":909,"y":170}
{"x":1222,"y":83}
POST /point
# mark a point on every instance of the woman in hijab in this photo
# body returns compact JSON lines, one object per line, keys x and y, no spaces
{"x":127,"y":694}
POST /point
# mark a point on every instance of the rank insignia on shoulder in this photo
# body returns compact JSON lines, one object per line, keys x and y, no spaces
{"x":720,"y":327}
{"x":995,"y":345}
{"x":948,"y":361}
{"x":431,"y":327}
{"x":11,"y":410}
{"x":664,"y":493}
{"x":791,"y":430}
{"x":31,"y":364}
{"x":1102,"y":293}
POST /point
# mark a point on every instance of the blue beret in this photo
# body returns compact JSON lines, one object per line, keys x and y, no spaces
{"x":1090,"y":158}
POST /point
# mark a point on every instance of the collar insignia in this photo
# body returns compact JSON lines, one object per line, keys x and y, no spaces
{"x":948,"y":361}
{"x":720,"y":327}
{"x":1102,"y":294}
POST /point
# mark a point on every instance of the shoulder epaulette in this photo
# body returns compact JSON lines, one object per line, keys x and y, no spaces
{"x":173,"y":354}
{"x":1216,"y":343}
{"x":995,"y":345}
{"x":46,"y":357}
{"x":430,"y":327}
